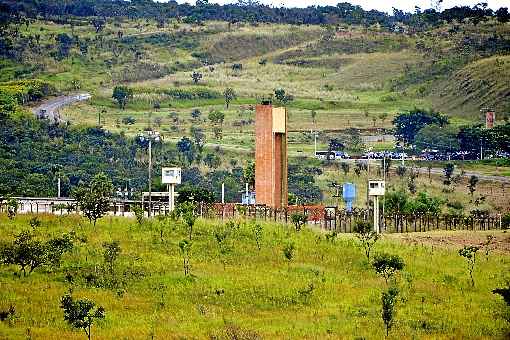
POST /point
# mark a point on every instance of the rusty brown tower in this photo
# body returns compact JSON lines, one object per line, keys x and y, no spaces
{"x":271,"y":185}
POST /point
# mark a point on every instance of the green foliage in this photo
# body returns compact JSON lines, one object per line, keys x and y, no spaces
{"x":23,"y":92}
{"x":441,"y":138}
{"x":387,"y":265}
{"x":424,"y":204}
{"x":408,"y":124}
{"x":229,"y":95}
{"x":298,"y":220}
{"x":448,"y":173}
{"x":216,"y":117}
{"x":258,"y":234}
{"x":186,"y":211}
{"x":111,"y":252}
{"x":396,"y":202}
{"x":505,"y":293}
{"x":401,"y":171}
{"x":185,"y":249}
{"x":282,"y":97}
{"x":81,"y":313}
{"x":473,"y":181}
{"x":122,"y":94}
{"x":289,"y":250}
{"x":366,"y":235}
{"x":196,"y":76}
{"x":345,"y":168}
{"x":194,"y":194}
{"x":94,"y":199}
{"x":469,"y":253}
{"x":389,"y":300}
{"x":12,"y":207}
{"x":30,"y":253}
{"x":139,"y":214}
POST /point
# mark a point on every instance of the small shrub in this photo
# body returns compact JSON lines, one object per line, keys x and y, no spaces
{"x":299,"y":220}
{"x":387,"y":265}
{"x":288,"y":250}
{"x":185,"y":248}
{"x":258,"y":231}
{"x":139,"y":214}
{"x":35,"y":222}
{"x":366,"y":235}
{"x":81,"y":313}
{"x":469,"y":253}
{"x":389,"y":300}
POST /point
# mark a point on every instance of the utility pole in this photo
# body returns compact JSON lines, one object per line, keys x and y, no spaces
{"x":58,"y":186}
{"x":481,"y":149}
{"x":150,"y":176}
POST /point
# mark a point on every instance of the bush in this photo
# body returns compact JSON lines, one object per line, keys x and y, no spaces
{"x":387,"y":265}
{"x":299,"y":220}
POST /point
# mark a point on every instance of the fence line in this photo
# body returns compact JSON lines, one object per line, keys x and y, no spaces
{"x":328,"y":218}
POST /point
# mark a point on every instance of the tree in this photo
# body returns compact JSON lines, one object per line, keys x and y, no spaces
{"x":383,"y":116}
{"x":122,"y":94}
{"x":473,"y":181}
{"x":12,"y":207}
{"x":186,"y":211}
{"x":407,"y":124}
{"x":198,"y":136}
{"x":65,"y":43}
{"x":185,"y":148}
{"x":448,"y":173}
{"x":196,"y":76}
{"x":411,"y":182}
{"x":386,"y":166}
{"x":94,"y":199}
{"x":387,"y":265}
{"x":110,"y":254}
{"x":217,"y":117}
{"x":502,"y":15}
{"x":81,"y":313}
{"x":401,"y":171}
{"x":288,"y":250}
{"x":282,"y":97}
{"x":345,"y":167}
{"x":443,"y":139}
{"x":185,"y":249}
{"x":195,"y":114}
{"x":469,"y":253}
{"x":313,"y":113}
{"x":229,"y":95}
{"x":249,"y":174}
{"x":389,"y":300}
{"x":213,"y":161}
{"x":366,"y":235}
{"x":299,"y":220}
{"x":24,"y":252}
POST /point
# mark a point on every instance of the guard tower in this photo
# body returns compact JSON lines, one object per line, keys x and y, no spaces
{"x":271,"y":187}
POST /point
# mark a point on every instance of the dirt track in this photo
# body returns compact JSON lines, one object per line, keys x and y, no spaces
{"x":457,"y":239}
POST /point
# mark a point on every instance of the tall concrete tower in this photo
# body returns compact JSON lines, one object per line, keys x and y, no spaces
{"x":271,"y":185}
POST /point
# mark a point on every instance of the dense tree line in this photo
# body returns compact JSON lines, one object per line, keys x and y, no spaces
{"x":246,"y":11}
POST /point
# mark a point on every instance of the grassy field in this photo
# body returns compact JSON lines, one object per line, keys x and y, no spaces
{"x":236,"y":291}
{"x":496,"y":195}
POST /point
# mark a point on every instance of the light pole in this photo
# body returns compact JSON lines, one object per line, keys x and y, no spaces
{"x":151,"y":135}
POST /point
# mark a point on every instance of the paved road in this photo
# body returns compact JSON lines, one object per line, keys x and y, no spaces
{"x":438,"y":171}
{"x":49,"y":109}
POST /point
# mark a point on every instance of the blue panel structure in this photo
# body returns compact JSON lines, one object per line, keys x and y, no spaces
{"x":349,"y":195}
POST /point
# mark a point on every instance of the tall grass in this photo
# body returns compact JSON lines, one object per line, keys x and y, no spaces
{"x":327,"y":290}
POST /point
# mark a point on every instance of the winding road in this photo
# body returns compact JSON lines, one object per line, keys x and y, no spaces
{"x":49,"y":109}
